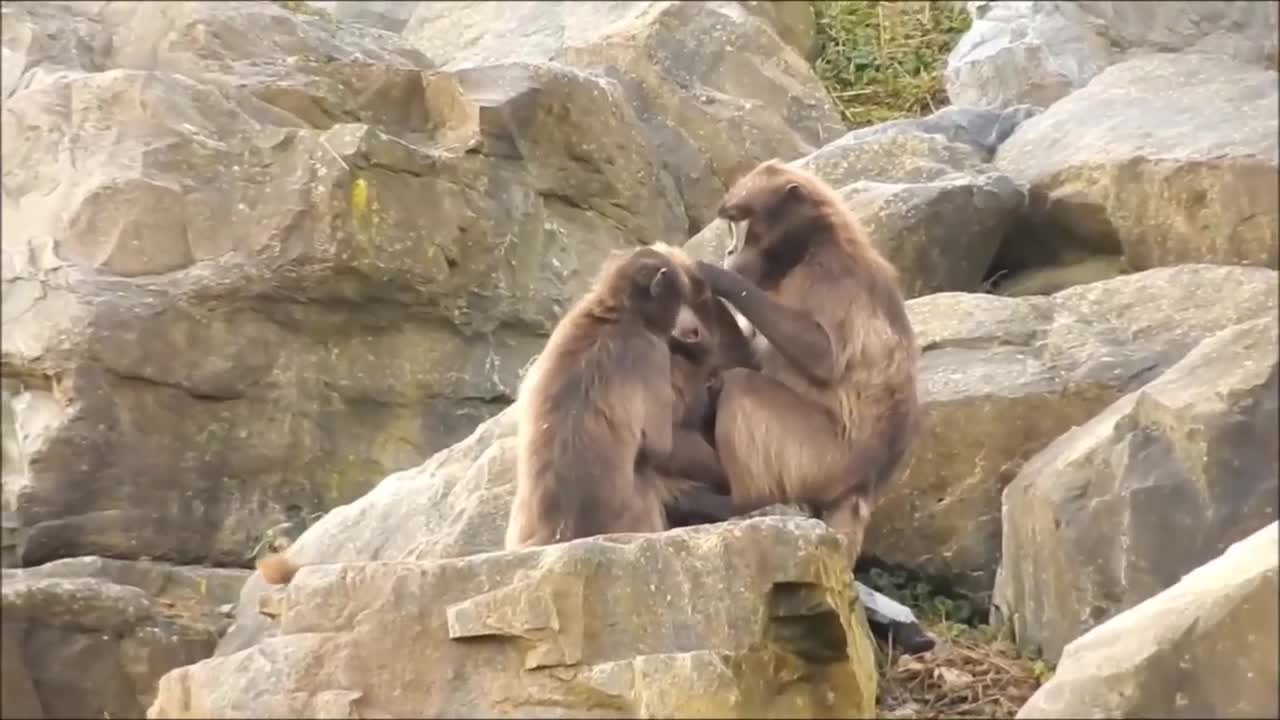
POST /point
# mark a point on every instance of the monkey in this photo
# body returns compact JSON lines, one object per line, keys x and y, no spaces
{"x":275,"y":568}
{"x":828,"y":417}
{"x":596,"y":407}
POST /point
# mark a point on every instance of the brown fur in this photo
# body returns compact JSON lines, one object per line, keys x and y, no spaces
{"x":831,"y":433}
{"x":597,"y":403}
{"x":276,"y":569}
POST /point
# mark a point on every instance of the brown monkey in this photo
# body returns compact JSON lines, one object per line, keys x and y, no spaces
{"x":596,"y":407}
{"x":828,"y":418}
{"x":689,"y":479}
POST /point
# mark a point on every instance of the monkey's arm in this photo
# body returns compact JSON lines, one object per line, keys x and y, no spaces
{"x":692,"y":457}
{"x":796,"y":334}
{"x":656,"y":434}
{"x":735,"y":348}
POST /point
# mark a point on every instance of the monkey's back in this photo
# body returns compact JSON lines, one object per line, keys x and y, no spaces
{"x":580,"y":430}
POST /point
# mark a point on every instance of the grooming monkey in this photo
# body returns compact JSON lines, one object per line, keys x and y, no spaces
{"x":828,"y":416}
{"x":596,"y":409}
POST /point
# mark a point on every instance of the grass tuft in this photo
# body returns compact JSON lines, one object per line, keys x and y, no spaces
{"x":883,"y":61}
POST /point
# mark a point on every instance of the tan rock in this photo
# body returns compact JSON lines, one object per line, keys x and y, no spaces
{"x":752,"y":618}
{"x":256,"y":257}
{"x":1162,"y":481}
{"x":1001,"y":378}
{"x":718,"y":89}
{"x":1140,"y":162}
{"x":1205,"y":647}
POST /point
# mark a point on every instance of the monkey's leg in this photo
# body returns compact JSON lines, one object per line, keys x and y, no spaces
{"x":776,"y":445}
{"x":693,"y":458}
{"x":849,"y":516}
{"x":692,"y":503}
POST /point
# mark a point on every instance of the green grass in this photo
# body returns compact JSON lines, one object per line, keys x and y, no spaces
{"x":883,"y":61}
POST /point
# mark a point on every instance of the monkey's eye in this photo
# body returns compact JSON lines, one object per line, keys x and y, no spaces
{"x":733,"y":213}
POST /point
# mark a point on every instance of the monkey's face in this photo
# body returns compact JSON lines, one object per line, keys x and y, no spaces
{"x":758,"y":209}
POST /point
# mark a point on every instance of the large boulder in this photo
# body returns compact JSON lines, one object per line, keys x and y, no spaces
{"x":1159,"y":483}
{"x":90,"y":637}
{"x":925,"y":195}
{"x":1142,"y":162}
{"x":1205,"y":648}
{"x":753,"y":618}
{"x":1000,"y":378}
{"x":1038,"y":52}
{"x":714,"y":83}
{"x":255,"y":257}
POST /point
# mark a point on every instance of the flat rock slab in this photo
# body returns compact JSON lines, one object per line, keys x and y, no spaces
{"x":752,"y":618}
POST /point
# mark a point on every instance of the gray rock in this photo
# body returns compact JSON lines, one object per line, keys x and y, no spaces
{"x":1162,"y":481}
{"x":753,"y":618}
{"x":1001,"y":378}
{"x":933,"y":207}
{"x":982,"y":129}
{"x":1039,"y":52}
{"x":1206,"y":647}
{"x":90,"y":637}
{"x":716,"y":87}
{"x":1138,"y":163}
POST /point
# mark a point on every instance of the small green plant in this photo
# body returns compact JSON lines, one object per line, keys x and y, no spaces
{"x":882,"y":61}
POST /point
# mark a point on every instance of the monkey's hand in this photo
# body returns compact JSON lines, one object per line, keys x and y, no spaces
{"x":723,"y":282}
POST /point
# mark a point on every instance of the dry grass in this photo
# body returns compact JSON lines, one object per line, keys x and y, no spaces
{"x":970,"y":674}
{"x":883,"y":60}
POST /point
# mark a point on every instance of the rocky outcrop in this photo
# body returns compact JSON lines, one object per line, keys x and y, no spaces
{"x":924,"y":193}
{"x":1001,"y":378}
{"x":220,"y":294}
{"x":91,"y":637}
{"x":1139,"y":163}
{"x":719,"y":86}
{"x":1162,"y":481}
{"x":1205,"y":647}
{"x":753,"y":618}
{"x":1039,"y":52}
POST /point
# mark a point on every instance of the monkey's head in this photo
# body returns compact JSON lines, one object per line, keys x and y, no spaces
{"x":767,"y":211}
{"x":655,"y":286}
{"x":699,"y":299}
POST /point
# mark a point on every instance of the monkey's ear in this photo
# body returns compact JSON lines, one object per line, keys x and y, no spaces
{"x":793,"y":190}
{"x":659,"y":282}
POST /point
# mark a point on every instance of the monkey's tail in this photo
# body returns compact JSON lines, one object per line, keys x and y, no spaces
{"x":276,"y":569}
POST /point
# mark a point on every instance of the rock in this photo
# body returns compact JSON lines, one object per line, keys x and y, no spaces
{"x":389,"y":15}
{"x":794,"y":22}
{"x":744,"y":619}
{"x":220,"y":296}
{"x":1205,"y":647}
{"x":933,"y":207}
{"x":981,"y":129}
{"x":90,"y":637}
{"x":1039,"y":52}
{"x":1162,"y":481}
{"x":1003,"y":377}
{"x":1054,"y":278}
{"x":453,"y":505}
{"x":718,"y":90}
{"x":1140,"y":163}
